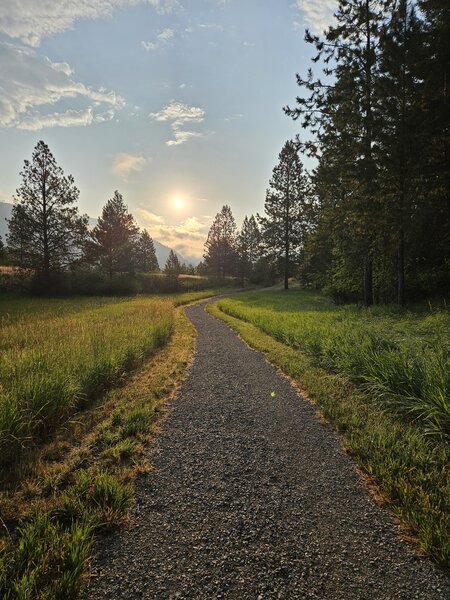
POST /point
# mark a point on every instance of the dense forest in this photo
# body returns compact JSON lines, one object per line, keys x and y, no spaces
{"x":371,"y":222}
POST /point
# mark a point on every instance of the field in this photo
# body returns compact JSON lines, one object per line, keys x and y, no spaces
{"x":58,"y":355}
{"x":382,"y":377}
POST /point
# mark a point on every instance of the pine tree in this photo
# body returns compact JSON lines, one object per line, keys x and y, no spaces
{"x":248,"y":246}
{"x":113,"y":240}
{"x":343,"y":113}
{"x":285,"y":206}
{"x":145,"y":254}
{"x":401,"y":143}
{"x":172,"y":267}
{"x":220,"y":251}
{"x":46,"y":232}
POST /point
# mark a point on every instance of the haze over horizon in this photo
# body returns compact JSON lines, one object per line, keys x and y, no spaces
{"x":177,"y":104}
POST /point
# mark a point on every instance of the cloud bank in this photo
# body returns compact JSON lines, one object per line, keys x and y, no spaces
{"x":29,"y":82}
{"x":33,"y":20}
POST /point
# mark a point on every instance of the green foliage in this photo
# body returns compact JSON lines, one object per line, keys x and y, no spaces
{"x":46,"y":548}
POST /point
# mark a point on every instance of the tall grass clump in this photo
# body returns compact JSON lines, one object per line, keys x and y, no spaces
{"x":53,"y":362}
{"x":401,"y":357}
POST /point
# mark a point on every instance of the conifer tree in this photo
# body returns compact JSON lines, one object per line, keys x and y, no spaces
{"x":220,"y":247}
{"x":344,"y":113}
{"x":172,"y":267}
{"x":145,"y":254}
{"x":46,"y":232}
{"x":113,"y":240}
{"x":286,"y":208}
{"x":248,"y":246}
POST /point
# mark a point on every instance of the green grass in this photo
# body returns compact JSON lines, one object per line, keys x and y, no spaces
{"x":73,"y":492}
{"x":391,"y":444}
{"x":401,"y":357}
{"x":57,"y":355}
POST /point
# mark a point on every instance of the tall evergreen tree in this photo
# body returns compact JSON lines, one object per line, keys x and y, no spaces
{"x":113,"y":240}
{"x":172,"y":267}
{"x":286,"y":200}
{"x":220,"y":247}
{"x":45,"y":229}
{"x":401,"y":139}
{"x":145,"y":254}
{"x":248,"y":245}
{"x":344,"y":112}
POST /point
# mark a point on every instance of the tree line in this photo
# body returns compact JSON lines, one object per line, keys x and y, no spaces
{"x":378,"y":123}
{"x":371,"y":222}
{"x":47,"y":234}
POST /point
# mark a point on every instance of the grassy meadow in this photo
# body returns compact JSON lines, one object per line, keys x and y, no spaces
{"x":57,"y":355}
{"x":382,"y":377}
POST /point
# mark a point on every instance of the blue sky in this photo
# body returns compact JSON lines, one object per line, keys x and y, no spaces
{"x":163,"y":100}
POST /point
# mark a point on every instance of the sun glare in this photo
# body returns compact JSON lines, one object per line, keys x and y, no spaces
{"x":178,"y":203}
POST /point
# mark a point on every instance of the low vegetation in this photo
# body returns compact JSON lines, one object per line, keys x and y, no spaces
{"x":50,"y":367}
{"x":79,"y":484}
{"x":381,"y":376}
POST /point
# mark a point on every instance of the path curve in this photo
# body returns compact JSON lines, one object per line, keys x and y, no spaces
{"x":253,"y":498}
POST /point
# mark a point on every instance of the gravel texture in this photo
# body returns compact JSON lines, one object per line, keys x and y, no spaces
{"x":252,"y":497}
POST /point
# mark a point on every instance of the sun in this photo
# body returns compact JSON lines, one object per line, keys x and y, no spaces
{"x":178,"y":203}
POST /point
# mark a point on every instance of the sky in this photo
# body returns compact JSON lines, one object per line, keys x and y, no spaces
{"x":175,"y":103}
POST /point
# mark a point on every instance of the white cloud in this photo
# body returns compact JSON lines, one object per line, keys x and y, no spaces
{"x":29,"y":82}
{"x":124,"y":163}
{"x":69,"y":118}
{"x":163,"y":37}
{"x":33,"y":20}
{"x":178,"y":114}
{"x":149,"y":46}
{"x":181,"y":137}
{"x":317,"y":16}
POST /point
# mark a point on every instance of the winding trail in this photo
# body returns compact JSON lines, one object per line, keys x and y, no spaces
{"x":252,"y":497}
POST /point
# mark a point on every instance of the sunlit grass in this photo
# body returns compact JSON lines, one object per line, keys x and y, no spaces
{"x":63,"y":353}
{"x":400,"y":356}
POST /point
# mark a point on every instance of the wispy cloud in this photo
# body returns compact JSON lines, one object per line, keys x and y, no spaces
{"x":33,"y":20}
{"x":161,"y":39}
{"x":317,"y":16}
{"x":124,"y":163}
{"x":30,"y":83}
{"x":178,"y":114}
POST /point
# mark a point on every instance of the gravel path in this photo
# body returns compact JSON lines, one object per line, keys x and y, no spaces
{"x":252,"y":498}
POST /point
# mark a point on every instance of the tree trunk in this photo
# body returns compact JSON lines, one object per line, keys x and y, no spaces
{"x":368,"y":285}
{"x":401,"y":268}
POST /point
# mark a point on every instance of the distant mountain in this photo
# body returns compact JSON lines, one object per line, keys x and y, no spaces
{"x":162,"y":251}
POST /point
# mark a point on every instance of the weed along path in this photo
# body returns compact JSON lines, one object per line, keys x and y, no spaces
{"x":251,"y":497}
